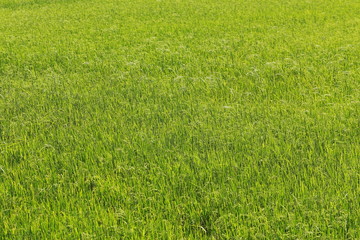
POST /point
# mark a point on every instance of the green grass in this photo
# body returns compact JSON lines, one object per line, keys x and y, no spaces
{"x":191,"y":119}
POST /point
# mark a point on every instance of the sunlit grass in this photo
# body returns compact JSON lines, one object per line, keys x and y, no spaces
{"x":194,"y":119}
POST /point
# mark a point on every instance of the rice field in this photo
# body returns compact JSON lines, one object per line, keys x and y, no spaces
{"x":179,"y":119}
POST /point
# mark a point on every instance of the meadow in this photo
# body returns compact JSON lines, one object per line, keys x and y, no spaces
{"x":179,"y":119}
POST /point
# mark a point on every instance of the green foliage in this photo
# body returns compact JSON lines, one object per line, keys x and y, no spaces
{"x":191,"y":119}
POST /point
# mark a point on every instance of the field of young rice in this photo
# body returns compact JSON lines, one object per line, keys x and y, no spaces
{"x":179,"y":119}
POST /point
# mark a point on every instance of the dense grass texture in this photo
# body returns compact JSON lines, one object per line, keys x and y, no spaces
{"x":179,"y":119}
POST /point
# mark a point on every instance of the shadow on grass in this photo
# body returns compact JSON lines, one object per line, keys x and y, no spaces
{"x":14,"y":5}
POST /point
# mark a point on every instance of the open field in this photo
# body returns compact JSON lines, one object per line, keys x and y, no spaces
{"x":169,"y":119}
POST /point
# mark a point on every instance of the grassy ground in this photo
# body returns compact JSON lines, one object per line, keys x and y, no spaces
{"x":191,"y":119}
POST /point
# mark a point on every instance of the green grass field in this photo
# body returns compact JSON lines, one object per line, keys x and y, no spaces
{"x":179,"y":119}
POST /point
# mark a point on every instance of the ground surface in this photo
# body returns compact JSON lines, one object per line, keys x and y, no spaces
{"x":191,"y":119}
